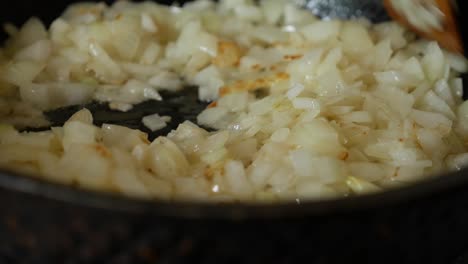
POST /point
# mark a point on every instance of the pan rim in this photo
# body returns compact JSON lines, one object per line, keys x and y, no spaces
{"x":84,"y":198}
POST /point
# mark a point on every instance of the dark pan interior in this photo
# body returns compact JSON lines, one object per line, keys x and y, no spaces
{"x":184,"y":106}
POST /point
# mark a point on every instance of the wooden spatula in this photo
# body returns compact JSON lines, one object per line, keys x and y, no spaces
{"x":446,"y":32}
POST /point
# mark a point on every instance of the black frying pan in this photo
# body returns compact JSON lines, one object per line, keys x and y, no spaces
{"x":46,"y":223}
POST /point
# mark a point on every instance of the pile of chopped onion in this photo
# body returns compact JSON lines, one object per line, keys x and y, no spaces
{"x":302,"y":108}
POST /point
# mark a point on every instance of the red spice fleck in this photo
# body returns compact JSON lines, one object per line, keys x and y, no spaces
{"x":260,"y":81}
{"x":223,"y":91}
{"x":282,"y":75}
{"x":256,"y":66}
{"x":292,"y":57}
{"x":208,"y":173}
{"x":102,"y":150}
{"x":343,"y":155}
{"x":212,"y":104}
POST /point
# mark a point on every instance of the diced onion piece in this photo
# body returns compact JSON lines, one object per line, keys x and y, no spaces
{"x":78,"y":133}
{"x":84,"y":116}
{"x":356,"y":39}
{"x":433,"y":62}
{"x":360,"y":186}
{"x":457,"y":162}
{"x":321,"y":31}
{"x":155,"y":122}
{"x":148,"y":24}
{"x":88,"y":163}
{"x":38,"y":51}
{"x":122,"y":137}
{"x":166,"y":160}
{"x":236,"y":179}
{"x":432,"y":121}
{"x":21,"y":72}
{"x":317,"y":136}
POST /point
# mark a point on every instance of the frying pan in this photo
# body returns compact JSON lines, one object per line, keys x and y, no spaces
{"x":41,"y":222}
